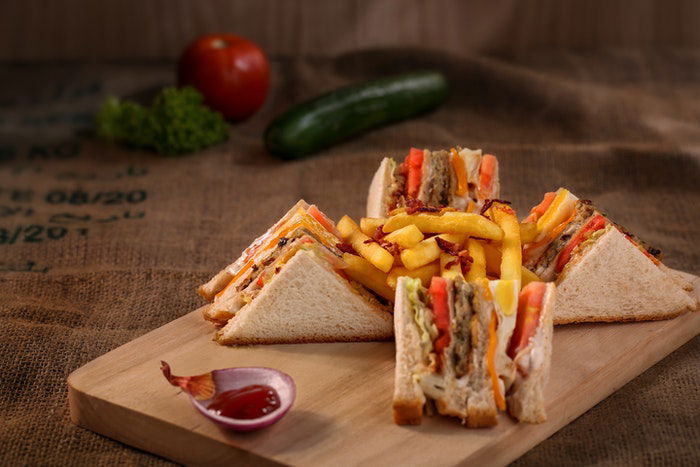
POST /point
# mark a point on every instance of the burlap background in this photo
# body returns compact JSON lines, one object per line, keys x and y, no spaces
{"x":620,"y":128}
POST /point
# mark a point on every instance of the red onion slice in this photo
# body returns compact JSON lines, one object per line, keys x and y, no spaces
{"x":202,"y":392}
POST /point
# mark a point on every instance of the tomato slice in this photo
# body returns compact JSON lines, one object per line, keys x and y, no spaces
{"x":460,"y":171}
{"x":441,"y":315}
{"x":322,"y":219}
{"x":597,"y":223}
{"x":414,"y":164}
{"x":487,"y":170}
{"x":540,"y":209}
{"x":529,"y":308}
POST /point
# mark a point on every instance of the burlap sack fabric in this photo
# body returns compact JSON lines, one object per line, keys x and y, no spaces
{"x":99,"y":245}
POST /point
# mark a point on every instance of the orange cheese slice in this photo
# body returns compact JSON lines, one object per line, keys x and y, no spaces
{"x":491,"y":363}
{"x":460,"y":170}
{"x":558,"y":211}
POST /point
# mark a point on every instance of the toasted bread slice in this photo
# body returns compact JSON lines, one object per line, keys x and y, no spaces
{"x":307,"y":301}
{"x":677,"y":278}
{"x":408,"y":396}
{"x":612,"y":280}
{"x":379,"y":195}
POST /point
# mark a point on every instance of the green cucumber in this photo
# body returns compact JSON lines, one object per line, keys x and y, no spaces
{"x":349,"y":111}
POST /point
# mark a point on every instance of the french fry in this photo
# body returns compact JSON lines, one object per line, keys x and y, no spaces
{"x":424,"y":273}
{"x":406,"y":237}
{"x":511,"y":249}
{"x":528,"y":232}
{"x":362,"y":271}
{"x":346,"y":226}
{"x":368,"y":225}
{"x":473,"y":225}
{"x":396,"y":211}
{"x":529,"y":276}
{"x":427,"y":251}
{"x":492,"y":257}
{"x":478,"y":267}
{"x":493,"y":265}
{"x":454,"y":270}
{"x":365,"y":246}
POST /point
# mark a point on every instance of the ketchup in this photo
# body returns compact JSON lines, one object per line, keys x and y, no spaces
{"x":246,"y":403}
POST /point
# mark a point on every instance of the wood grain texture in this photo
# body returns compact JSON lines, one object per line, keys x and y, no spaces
{"x":342,"y":415}
{"x":159,"y":29}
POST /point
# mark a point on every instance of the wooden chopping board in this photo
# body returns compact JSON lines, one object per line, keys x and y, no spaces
{"x":342,"y":414}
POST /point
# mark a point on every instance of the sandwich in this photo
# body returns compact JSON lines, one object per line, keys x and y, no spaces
{"x":471,"y":349}
{"x":603,"y":271}
{"x":286,"y":287}
{"x":459,"y":178}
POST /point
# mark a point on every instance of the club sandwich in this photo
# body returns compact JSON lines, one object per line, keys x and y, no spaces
{"x":472,"y":349}
{"x":459,"y":178}
{"x":603,"y":272}
{"x":288,"y":286}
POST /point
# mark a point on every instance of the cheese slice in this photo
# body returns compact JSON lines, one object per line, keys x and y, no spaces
{"x":505,"y":293}
{"x":560,"y":210}
{"x":472,"y":160}
{"x":505,"y":301}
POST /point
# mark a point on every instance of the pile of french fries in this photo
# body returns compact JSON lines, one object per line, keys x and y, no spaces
{"x":480,"y":246}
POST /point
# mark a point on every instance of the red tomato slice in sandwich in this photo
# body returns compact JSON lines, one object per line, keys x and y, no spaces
{"x":597,"y":223}
{"x":414,"y":164}
{"x":486,"y":173}
{"x":322,"y":219}
{"x":529,"y":308}
{"x":441,"y":315}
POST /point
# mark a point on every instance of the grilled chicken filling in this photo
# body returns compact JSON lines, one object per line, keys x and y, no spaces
{"x":461,"y":333}
{"x":397,"y":188}
{"x":438,"y":169}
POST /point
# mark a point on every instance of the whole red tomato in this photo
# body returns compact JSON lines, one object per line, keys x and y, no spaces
{"x":231,"y":72}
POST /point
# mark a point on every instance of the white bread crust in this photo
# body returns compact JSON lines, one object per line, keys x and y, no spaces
{"x":408,"y":399}
{"x":381,"y":181}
